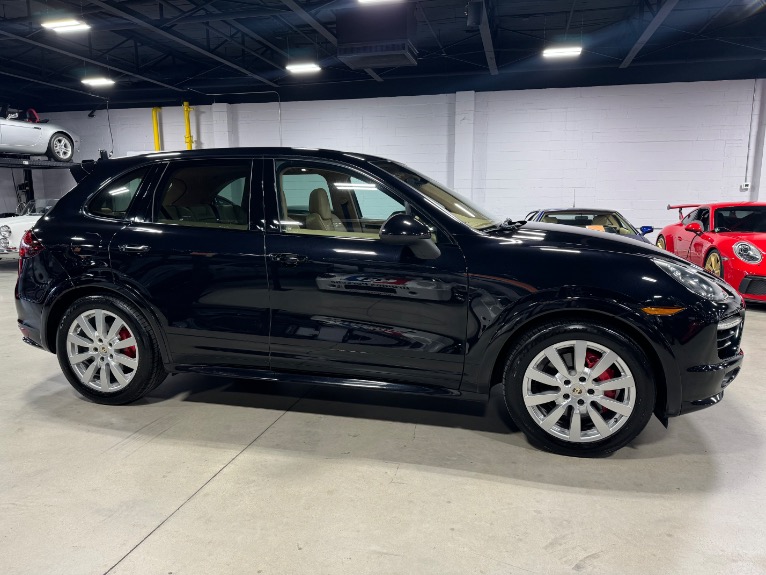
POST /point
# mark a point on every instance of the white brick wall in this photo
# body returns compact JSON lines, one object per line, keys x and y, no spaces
{"x":634,"y":148}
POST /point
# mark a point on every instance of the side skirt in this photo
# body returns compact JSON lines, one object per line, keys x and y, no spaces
{"x":268,"y":375}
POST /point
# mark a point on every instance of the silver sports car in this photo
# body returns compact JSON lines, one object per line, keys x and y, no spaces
{"x":24,"y":133}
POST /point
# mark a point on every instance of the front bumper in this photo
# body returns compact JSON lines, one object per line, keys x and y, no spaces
{"x":753,"y":288}
{"x":705,"y":384}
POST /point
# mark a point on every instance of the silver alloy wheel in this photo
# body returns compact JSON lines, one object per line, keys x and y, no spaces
{"x":102,"y":350}
{"x":565,"y":391}
{"x":62,"y":147}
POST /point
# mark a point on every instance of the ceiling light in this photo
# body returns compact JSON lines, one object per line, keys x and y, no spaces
{"x":100,"y":81}
{"x":303,"y":68}
{"x":377,"y":1}
{"x":68,"y":25}
{"x":562,"y":52}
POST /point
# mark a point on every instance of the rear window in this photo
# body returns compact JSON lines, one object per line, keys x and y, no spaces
{"x":114,"y":200}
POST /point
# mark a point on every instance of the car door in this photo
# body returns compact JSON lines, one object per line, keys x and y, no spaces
{"x":196,"y":255}
{"x":15,"y":134}
{"x":699,"y":244}
{"x":343,"y":302}
{"x":682,"y":241}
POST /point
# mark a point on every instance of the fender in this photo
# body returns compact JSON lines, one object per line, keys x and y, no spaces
{"x":489,"y":348}
{"x":60,"y":297}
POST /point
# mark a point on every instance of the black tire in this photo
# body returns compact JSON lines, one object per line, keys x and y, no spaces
{"x":534,"y":343}
{"x":58,"y":153}
{"x":148,"y":374}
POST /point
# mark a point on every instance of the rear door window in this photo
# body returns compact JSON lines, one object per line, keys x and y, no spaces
{"x":114,"y":200}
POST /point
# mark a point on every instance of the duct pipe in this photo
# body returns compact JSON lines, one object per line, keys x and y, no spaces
{"x":156,"y":126}
{"x":188,"y":137}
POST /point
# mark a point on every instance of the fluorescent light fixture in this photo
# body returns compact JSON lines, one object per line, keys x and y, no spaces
{"x":67,"y":25}
{"x":378,"y":1}
{"x":303,"y":68}
{"x":100,"y":81}
{"x":562,"y":52}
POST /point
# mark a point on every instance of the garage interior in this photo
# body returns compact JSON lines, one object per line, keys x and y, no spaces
{"x":665,"y":104}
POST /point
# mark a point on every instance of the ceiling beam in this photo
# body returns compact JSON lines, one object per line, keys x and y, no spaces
{"x":90,"y":61}
{"x":486,"y":39}
{"x":316,"y":25}
{"x":132,"y":17}
{"x":51,"y":85}
{"x":656,"y":22}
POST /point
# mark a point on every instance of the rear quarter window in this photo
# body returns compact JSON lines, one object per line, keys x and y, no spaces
{"x":114,"y":200}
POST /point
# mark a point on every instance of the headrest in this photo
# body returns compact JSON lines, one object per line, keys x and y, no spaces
{"x":175,"y":191}
{"x":550,"y":220}
{"x":319,"y":203}
{"x":601,"y":220}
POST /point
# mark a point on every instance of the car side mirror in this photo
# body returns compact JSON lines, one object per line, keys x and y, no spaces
{"x":646,"y":230}
{"x":405,"y":230}
{"x":694,"y":227}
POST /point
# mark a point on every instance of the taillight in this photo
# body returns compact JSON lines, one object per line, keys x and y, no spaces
{"x":29,"y":246}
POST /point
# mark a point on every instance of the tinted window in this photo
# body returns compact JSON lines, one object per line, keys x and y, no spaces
{"x":331,"y":201}
{"x":741,"y":219}
{"x":205,"y":195}
{"x":703,"y":216}
{"x":114,"y":200}
{"x":690,"y":217}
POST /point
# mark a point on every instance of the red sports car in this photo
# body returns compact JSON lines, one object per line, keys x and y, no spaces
{"x":727,"y":239}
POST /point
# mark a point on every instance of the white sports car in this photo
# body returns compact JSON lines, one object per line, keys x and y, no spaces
{"x":12,"y":229}
{"x":25,"y":133}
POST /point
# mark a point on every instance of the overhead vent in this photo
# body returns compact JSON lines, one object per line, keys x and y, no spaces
{"x":377,"y":36}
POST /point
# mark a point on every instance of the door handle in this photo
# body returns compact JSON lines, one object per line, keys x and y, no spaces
{"x":133,"y":248}
{"x":288,"y":259}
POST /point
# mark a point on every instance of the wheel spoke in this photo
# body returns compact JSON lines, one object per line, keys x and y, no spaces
{"x":615,"y":406}
{"x":580,"y":347}
{"x":616,"y":383}
{"x":88,"y":375}
{"x":551,"y":419}
{"x":536,"y":375}
{"x":77,"y":340}
{"x":553,"y":356}
{"x":104,"y":377}
{"x":118,"y":375}
{"x":540,"y":398}
{"x":86,"y":327}
{"x":100,"y":324}
{"x":575,"y":425}
{"x":603,"y":364}
{"x":598,"y":421}
{"x":80,"y":357}
{"x":122,"y":344}
{"x":126,"y":361}
{"x":114,"y":330}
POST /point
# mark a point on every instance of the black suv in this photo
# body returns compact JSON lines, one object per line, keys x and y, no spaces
{"x":346,"y":269}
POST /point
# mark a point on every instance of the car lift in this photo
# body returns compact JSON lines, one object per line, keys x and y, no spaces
{"x":25,"y":191}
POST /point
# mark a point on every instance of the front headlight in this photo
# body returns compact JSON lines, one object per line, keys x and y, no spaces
{"x":693,"y":280}
{"x":748,"y":253}
{"x":5,"y":232}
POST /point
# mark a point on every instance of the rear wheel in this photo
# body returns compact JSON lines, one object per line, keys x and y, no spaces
{"x":107,"y":350}
{"x":61,"y":148}
{"x":578,"y":389}
{"x":661,"y":243}
{"x":714,"y":263}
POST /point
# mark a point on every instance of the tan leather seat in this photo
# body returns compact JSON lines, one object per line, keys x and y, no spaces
{"x":550,"y":220}
{"x":320,"y":215}
{"x":602,"y":220}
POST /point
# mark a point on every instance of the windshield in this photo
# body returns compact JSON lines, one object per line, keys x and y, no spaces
{"x":740,"y":219}
{"x":37,"y":207}
{"x":610,"y":222}
{"x":449,"y":201}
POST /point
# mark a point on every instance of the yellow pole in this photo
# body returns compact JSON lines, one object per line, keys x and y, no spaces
{"x":156,"y":125}
{"x":188,"y":137}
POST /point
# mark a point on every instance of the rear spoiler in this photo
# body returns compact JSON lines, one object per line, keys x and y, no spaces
{"x":81,"y":171}
{"x":680,"y":207}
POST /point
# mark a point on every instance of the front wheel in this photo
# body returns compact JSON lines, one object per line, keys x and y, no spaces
{"x":61,"y":148}
{"x":107,"y":350}
{"x":714,"y":263}
{"x":578,"y":388}
{"x":661,"y":243}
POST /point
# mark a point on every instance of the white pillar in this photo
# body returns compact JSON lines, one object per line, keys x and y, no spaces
{"x":462,"y":166}
{"x":222,"y":125}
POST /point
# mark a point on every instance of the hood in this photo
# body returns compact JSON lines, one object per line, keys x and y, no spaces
{"x":758,"y":239}
{"x":570,"y":237}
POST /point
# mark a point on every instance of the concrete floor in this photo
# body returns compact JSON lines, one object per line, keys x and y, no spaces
{"x":217,"y":476}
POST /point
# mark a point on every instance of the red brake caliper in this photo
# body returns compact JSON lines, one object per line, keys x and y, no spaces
{"x":591,"y":359}
{"x":129,"y":351}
